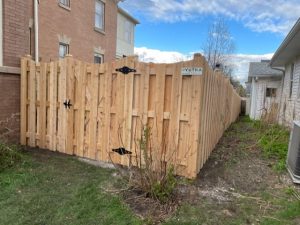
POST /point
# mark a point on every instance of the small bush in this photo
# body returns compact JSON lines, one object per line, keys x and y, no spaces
{"x":9,"y":155}
{"x":151,"y":170}
{"x":163,"y":189}
{"x":154,"y":174}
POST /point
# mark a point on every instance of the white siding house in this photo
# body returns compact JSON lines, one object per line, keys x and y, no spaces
{"x":287,"y":59}
{"x":265,"y":88}
{"x":125,"y":34}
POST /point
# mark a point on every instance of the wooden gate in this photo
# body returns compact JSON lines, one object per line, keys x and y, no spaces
{"x":89,"y":109}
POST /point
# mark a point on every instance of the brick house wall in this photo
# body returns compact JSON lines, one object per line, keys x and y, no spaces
{"x":10,"y":104}
{"x":290,"y":106}
{"x":76,"y":24}
{"x":17,"y":16}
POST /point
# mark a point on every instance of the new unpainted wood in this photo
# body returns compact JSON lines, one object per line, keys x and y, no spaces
{"x":187,"y":114}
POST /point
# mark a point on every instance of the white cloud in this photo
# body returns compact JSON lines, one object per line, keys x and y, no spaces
{"x":157,"y":56}
{"x":273,"y":15}
{"x":239,"y":61}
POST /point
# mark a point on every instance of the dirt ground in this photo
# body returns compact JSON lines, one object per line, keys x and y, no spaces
{"x":235,"y":176}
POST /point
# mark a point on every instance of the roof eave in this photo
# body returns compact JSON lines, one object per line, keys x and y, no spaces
{"x":286,"y":41}
{"x":123,"y":12}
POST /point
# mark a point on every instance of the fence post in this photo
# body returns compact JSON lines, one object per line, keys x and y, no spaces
{"x":23,"y":98}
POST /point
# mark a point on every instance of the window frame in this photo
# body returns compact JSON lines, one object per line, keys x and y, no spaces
{"x":102,"y":15}
{"x":67,"y":46}
{"x":99,"y":55}
{"x":291,"y":79}
{"x":271,"y":92}
{"x":65,"y":3}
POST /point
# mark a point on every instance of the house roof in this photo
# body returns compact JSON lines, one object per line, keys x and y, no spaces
{"x":289,"y":48}
{"x":126,"y":14}
{"x":263,"y":69}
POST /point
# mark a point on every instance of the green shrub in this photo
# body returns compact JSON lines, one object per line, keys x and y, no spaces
{"x":274,"y":143}
{"x":163,"y":189}
{"x":9,"y":155}
{"x":151,"y":171}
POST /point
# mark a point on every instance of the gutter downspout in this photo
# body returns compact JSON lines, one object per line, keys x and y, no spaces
{"x":36,"y":30}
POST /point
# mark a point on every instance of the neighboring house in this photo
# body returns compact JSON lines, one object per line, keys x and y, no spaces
{"x":265,"y":88}
{"x":125,"y":34}
{"x":50,"y":30}
{"x":85,"y":29}
{"x":15,"y":24}
{"x":287,"y":59}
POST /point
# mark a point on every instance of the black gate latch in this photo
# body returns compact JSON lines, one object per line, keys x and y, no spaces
{"x":125,"y":70}
{"x":67,"y":104}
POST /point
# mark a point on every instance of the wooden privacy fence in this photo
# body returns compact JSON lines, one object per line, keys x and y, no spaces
{"x":89,"y":109}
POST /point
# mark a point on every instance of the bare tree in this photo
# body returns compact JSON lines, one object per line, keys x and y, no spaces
{"x":218,"y":46}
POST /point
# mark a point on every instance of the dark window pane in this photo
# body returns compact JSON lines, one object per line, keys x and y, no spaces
{"x":63,"y":50}
{"x":98,"y":58}
{"x":271,"y":92}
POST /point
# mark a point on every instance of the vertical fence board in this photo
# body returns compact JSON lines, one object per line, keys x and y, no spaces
{"x":70,"y":80}
{"x":32,"y":105}
{"x":93,"y":112}
{"x":24,"y":98}
{"x":128,"y":107}
{"x":42,"y":105}
{"x":106,"y":154}
{"x":81,"y":109}
{"x":52,"y":105}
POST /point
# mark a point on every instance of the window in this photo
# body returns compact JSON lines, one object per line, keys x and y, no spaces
{"x":128,"y":33}
{"x":63,"y":50}
{"x":99,"y":15}
{"x":98,"y":58}
{"x":65,"y":2}
{"x":271,"y":92}
{"x":291,"y":79}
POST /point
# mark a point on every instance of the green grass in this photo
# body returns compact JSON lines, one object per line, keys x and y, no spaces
{"x":9,"y":155}
{"x":282,"y":211}
{"x":287,"y":213}
{"x":59,"y":190}
{"x":272,"y":139}
{"x":274,"y":144}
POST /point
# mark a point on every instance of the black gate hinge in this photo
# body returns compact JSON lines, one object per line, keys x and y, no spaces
{"x":125,"y":70}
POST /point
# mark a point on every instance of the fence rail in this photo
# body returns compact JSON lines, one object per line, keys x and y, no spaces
{"x":89,"y":109}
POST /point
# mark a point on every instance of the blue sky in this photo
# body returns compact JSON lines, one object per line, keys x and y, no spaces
{"x":171,"y":30}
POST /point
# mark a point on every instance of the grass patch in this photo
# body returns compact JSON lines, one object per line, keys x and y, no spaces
{"x":272,"y":139}
{"x":288,"y":211}
{"x":283,"y":210}
{"x":10,"y":155}
{"x":274,"y":143}
{"x":55,"y":189}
